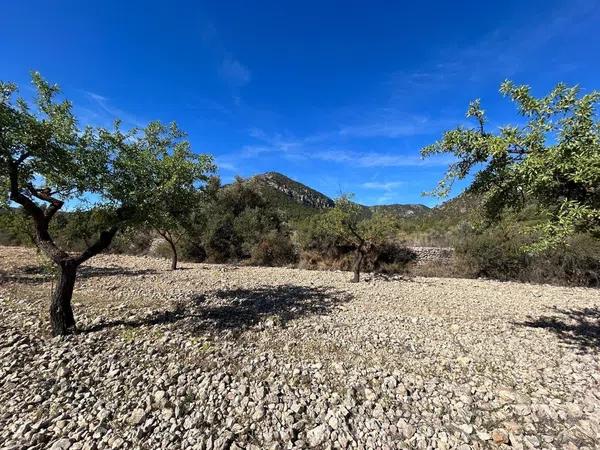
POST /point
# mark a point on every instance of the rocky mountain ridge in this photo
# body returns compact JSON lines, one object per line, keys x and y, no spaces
{"x":300,"y":194}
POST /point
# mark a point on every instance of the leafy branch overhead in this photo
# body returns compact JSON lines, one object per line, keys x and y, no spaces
{"x":551,"y":158}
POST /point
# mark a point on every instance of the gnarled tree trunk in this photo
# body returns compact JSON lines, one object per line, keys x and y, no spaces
{"x":62,"y":320}
{"x":173,"y":255}
{"x":167,"y":236}
{"x":360,"y":256}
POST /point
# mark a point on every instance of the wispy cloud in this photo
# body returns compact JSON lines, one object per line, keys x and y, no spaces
{"x":307,"y":149}
{"x":276,"y":141}
{"x":380,"y":130}
{"x":229,"y":67}
{"x":388,"y":123}
{"x":101,"y":112}
{"x":224,"y":165}
{"x":234,"y":72}
{"x":383,"y":186}
{"x":387,"y":198}
{"x":374,"y":159}
{"x":502,"y":53}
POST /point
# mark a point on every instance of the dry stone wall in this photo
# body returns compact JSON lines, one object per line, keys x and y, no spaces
{"x":432,"y":255}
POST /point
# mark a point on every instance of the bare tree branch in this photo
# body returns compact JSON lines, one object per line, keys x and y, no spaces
{"x":100,"y":245}
{"x":42,"y":237}
{"x":46,"y":195}
{"x":105,"y":239}
{"x":22,"y":158}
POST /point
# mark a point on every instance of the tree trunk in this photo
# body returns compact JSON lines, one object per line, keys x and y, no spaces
{"x":173,"y":257}
{"x":358,"y":264}
{"x":62,"y":319}
{"x":173,"y":253}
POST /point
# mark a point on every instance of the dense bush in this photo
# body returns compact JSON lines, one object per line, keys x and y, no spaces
{"x":15,"y":227}
{"x":498,"y":253}
{"x":322,"y":248}
{"x":493,"y":253}
{"x":274,"y":249}
{"x":133,"y":242}
{"x":391,"y":257}
{"x":235,"y":223}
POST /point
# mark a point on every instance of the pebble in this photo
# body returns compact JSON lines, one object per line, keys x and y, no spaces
{"x":273,"y":358}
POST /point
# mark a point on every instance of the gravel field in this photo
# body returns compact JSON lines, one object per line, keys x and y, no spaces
{"x":225,"y":357}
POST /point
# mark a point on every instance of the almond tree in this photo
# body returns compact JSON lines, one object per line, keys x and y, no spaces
{"x":177,"y":195}
{"x":46,"y":160}
{"x":348,"y":223}
{"x":550,"y":158}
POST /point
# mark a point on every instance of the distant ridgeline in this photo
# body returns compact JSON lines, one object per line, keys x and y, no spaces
{"x":291,"y":195}
{"x":293,"y":190}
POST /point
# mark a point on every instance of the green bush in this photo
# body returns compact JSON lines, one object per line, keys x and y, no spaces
{"x":233,"y":224}
{"x":132,"y":242}
{"x":498,"y":253}
{"x":493,"y":253}
{"x":274,"y":249}
{"x":390,"y":257}
{"x":16,"y":227}
{"x":320,"y":249}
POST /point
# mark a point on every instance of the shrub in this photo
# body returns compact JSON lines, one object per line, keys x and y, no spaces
{"x":132,"y":242}
{"x":275,"y":249}
{"x":492,"y":253}
{"x":192,"y":249}
{"x":15,"y":227}
{"x":390,"y":257}
{"x":499,"y":253}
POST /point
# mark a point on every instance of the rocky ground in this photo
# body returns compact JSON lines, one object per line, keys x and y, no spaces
{"x":224,"y":357}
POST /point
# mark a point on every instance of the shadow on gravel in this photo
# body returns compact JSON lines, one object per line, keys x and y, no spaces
{"x":240,"y":309}
{"x":576,"y":327}
{"x":37,"y":275}
{"x":97,"y":272}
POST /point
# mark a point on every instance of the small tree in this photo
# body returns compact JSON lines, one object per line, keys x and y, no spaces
{"x":348,"y":223}
{"x":183,"y":175}
{"x":45,"y":159}
{"x":552,"y":160}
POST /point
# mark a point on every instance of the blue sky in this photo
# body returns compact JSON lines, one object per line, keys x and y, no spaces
{"x":338,"y":95}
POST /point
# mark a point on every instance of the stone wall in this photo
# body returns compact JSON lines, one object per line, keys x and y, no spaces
{"x":429,"y":255}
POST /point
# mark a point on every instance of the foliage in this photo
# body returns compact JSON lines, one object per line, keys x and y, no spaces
{"x":347,"y":227}
{"x":15,"y":227}
{"x":236,"y":223}
{"x":552,"y":160}
{"x":138,"y":169}
{"x":182,"y":174}
{"x":496,"y":252}
{"x":76,"y":230}
{"x":347,"y":224}
{"x":274,"y":249}
{"x":46,"y":159}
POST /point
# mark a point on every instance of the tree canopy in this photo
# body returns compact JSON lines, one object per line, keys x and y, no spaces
{"x":347,"y":223}
{"x":550,"y":157}
{"x":46,"y":159}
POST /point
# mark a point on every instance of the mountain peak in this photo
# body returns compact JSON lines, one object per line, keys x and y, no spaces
{"x":292,"y":192}
{"x":296,"y":191}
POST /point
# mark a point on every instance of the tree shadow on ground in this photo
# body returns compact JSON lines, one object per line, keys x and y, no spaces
{"x":241,"y":309}
{"x":37,"y":275}
{"x":576,"y":327}
{"x":97,"y":272}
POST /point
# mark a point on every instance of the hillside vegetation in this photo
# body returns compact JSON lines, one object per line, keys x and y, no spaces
{"x":531,"y":212}
{"x":266,"y":223}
